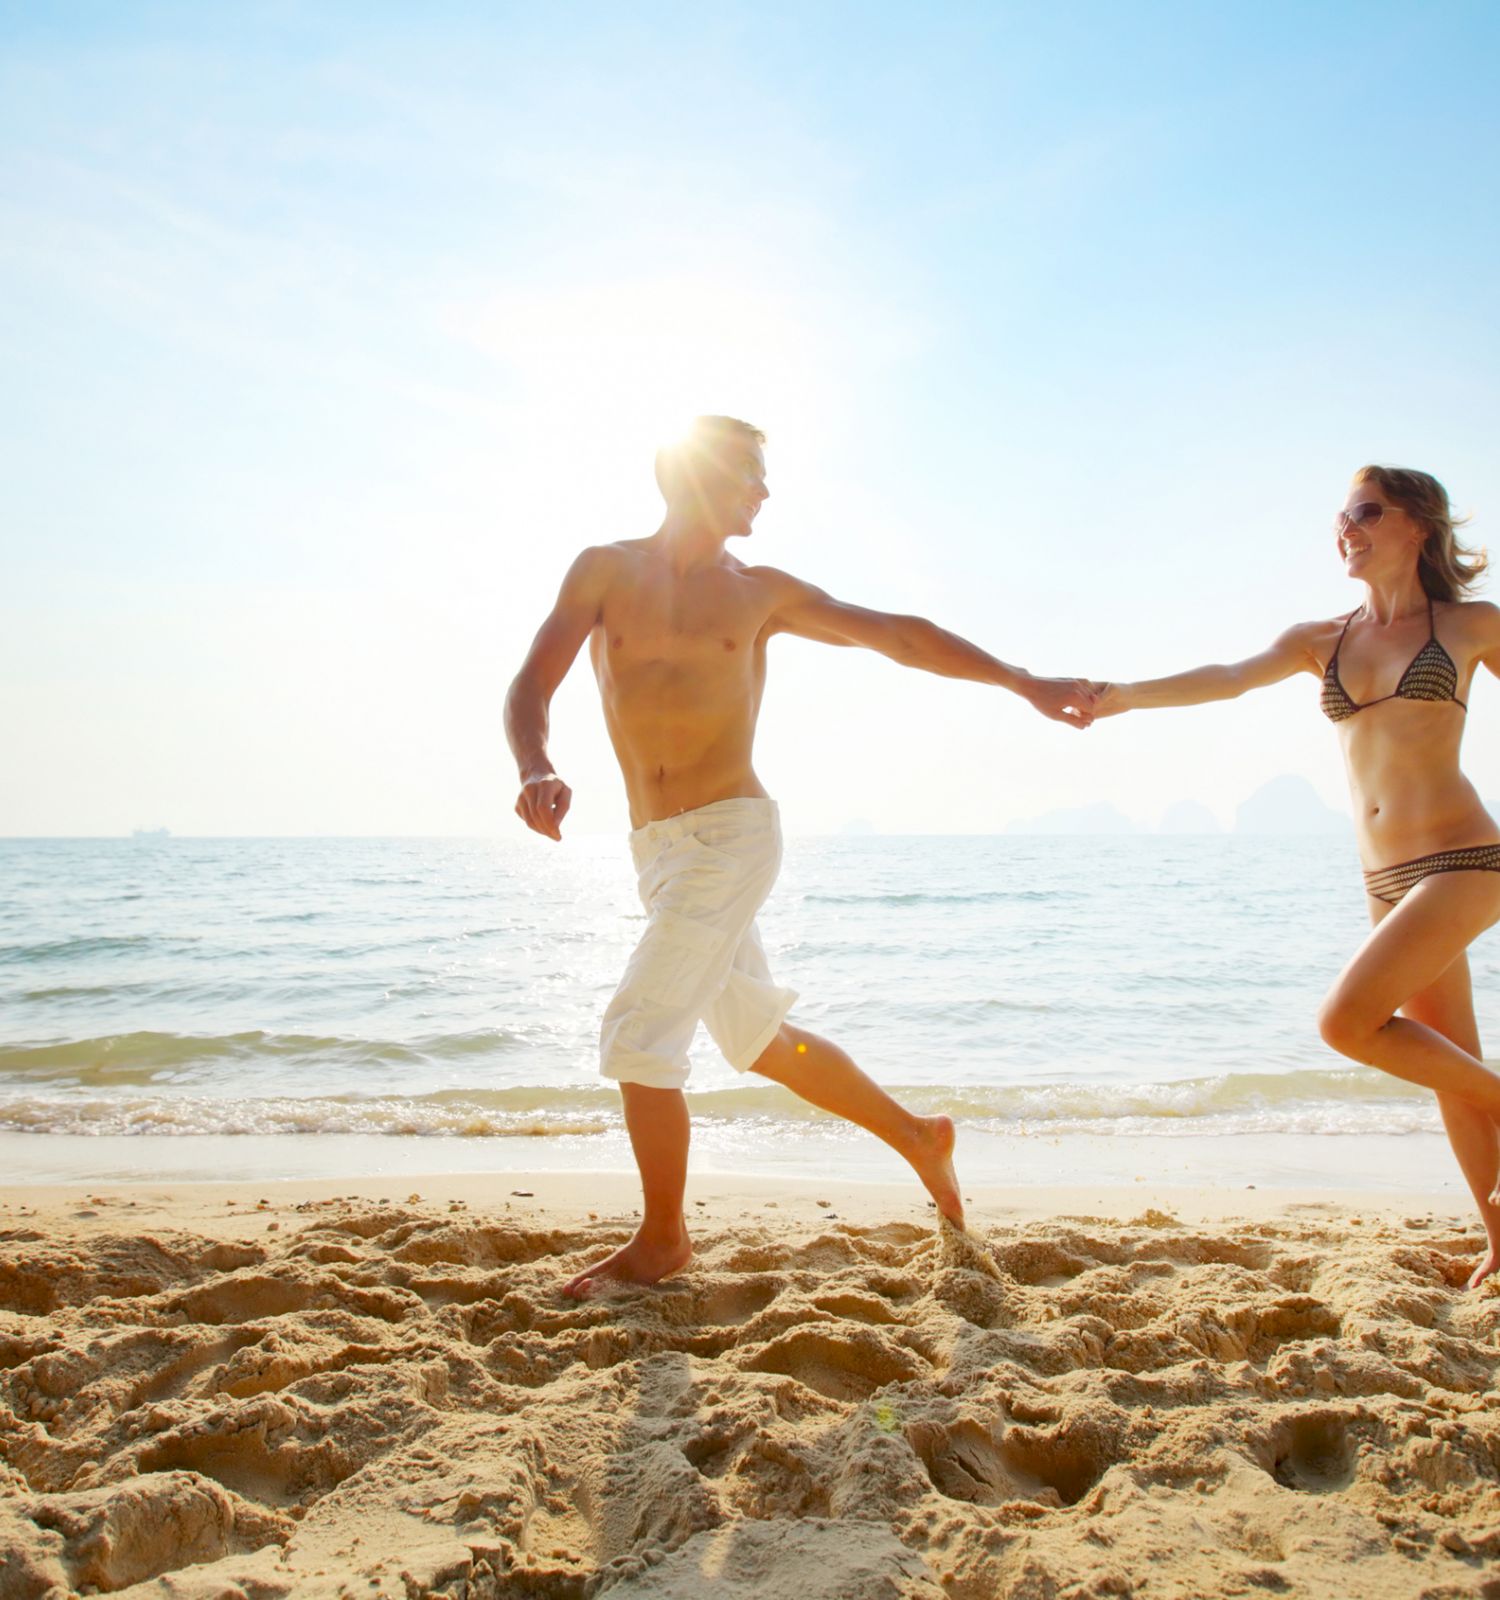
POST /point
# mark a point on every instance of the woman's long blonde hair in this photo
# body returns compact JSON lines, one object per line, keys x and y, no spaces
{"x":1447,"y":569}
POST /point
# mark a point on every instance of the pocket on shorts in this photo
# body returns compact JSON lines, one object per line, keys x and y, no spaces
{"x":730,"y":846}
{"x":673,"y":959}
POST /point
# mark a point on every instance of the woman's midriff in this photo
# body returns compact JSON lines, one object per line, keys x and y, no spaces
{"x":1410,"y":798}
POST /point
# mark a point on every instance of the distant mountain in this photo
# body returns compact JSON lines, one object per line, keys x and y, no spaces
{"x":1189,"y":816}
{"x":1288,"y":804}
{"x":1100,"y":817}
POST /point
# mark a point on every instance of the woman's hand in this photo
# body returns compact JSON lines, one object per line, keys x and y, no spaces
{"x":1110,"y":699}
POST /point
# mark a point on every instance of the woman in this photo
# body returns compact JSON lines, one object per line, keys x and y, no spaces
{"x":1396,"y":673}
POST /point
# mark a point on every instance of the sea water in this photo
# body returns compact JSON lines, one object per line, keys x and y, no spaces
{"x":446,"y":993}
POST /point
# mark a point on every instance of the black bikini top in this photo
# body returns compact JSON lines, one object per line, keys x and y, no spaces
{"x":1430,"y":675}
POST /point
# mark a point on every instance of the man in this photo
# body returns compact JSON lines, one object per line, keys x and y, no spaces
{"x":677,"y":630}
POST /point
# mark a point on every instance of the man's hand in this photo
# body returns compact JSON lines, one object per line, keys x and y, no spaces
{"x":544,"y":803}
{"x":1069,"y":700}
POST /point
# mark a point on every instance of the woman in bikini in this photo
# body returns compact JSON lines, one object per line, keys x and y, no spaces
{"x":1396,"y":673}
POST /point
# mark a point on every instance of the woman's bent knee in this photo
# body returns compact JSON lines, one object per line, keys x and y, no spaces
{"x":1341,"y":1029}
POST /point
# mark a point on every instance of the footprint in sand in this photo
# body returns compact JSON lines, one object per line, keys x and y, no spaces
{"x":841,"y":1360}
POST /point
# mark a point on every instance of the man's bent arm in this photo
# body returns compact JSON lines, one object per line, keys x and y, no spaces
{"x":545,"y":798}
{"x":809,"y":613}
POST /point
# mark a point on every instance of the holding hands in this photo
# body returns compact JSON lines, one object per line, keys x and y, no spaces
{"x":1109,"y":699}
{"x":1069,"y":700}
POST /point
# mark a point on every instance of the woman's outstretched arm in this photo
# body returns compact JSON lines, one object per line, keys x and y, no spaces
{"x":1295,"y":651}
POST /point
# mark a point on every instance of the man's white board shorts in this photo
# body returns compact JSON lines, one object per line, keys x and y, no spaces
{"x":703,"y":876}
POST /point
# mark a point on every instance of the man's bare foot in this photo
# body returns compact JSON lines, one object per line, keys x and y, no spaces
{"x":1488,"y":1263}
{"x":931,"y":1156}
{"x":642,"y":1260}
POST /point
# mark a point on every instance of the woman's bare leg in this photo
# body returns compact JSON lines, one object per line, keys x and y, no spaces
{"x":1407,"y":953}
{"x":1447,"y":1007}
{"x":821,"y":1073}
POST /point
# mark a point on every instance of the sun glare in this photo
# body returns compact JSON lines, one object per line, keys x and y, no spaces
{"x":632,"y":361}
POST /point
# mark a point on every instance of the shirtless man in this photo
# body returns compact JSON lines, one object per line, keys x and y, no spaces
{"x":677,"y":630}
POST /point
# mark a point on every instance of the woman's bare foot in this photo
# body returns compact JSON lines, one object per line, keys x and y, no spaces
{"x":1488,"y":1263}
{"x":645,"y":1259}
{"x":931,"y":1156}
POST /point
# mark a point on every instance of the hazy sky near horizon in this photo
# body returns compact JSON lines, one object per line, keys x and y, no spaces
{"x":331,"y":333}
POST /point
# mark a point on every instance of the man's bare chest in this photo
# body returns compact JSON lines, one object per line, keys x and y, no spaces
{"x":688,"y":624}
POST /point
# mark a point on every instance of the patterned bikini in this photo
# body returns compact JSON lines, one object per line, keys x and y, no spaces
{"x":1430,"y":675}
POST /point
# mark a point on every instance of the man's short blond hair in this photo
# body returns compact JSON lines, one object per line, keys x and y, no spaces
{"x":704,"y":444}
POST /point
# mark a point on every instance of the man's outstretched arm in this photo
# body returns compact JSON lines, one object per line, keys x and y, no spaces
{"x":545,"y":798}
{"x":809,"y":613}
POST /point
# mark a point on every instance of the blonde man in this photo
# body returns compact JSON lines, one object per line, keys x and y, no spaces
{"x":677,"y":629}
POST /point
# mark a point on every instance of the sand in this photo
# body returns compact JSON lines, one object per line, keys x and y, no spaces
{"x":310,"y":1390}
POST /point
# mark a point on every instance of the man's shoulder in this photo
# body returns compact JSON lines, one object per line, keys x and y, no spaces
{"x":781,"y":584}
{"x":600,"y":563}
{"x":611,"y":553}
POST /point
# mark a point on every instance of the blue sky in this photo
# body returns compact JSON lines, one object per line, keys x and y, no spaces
{"x":333,"y":332}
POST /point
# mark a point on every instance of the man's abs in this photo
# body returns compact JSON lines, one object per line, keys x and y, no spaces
{"x":681,"y":710}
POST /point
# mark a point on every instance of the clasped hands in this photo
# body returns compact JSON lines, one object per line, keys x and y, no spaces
{"x":1074,"y":701}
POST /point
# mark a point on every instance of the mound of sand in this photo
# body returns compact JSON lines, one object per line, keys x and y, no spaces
{"x":394,"y":1401}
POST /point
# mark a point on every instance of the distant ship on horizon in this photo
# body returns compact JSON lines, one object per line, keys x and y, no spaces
{"x":151,"y":833}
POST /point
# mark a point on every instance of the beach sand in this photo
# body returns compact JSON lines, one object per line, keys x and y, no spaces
{"x":312,"y":1388}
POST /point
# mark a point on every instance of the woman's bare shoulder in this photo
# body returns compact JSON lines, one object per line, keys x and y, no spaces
{"x":1477,"y":620}
{"x":1316,"y":639}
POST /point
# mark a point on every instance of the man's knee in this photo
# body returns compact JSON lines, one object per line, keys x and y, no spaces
{"x":784,"y":1047}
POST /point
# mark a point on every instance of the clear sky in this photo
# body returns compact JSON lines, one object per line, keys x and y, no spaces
{"x":330,"y":333}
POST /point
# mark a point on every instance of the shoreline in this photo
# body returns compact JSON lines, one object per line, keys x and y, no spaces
{"x":831,"y":1153}
{"x":575,"y":1199}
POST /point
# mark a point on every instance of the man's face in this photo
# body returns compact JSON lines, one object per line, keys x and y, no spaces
{"x":730,"y":486}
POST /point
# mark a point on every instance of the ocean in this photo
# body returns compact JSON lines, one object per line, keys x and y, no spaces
{"x":1136,"y":1006}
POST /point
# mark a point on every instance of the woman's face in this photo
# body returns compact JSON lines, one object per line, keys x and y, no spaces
{"x":1377,"y":539}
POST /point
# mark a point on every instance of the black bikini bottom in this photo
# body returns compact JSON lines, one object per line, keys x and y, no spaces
{"x":1391,"y":884}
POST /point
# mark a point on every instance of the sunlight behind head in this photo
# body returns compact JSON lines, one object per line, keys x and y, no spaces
{"x":631,"y":362}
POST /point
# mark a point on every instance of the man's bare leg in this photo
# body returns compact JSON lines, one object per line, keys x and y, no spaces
{"x":657,"y":1120}
{"x":820,"y":1072}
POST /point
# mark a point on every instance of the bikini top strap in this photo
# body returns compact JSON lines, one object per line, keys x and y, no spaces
{"x":1432,"y":631}
{"x":1340,"y":645}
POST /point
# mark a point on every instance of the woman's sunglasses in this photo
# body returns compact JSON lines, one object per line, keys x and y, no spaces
{"x":1365,"y":515}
